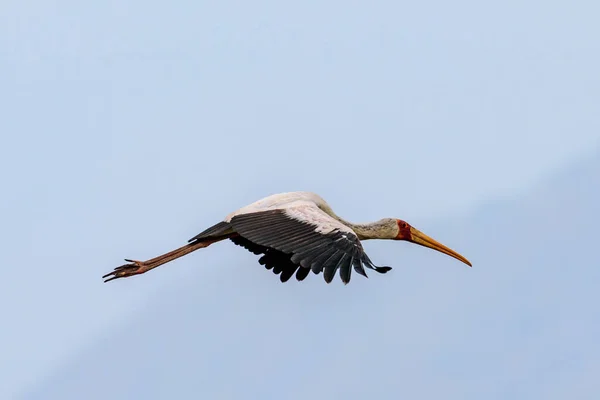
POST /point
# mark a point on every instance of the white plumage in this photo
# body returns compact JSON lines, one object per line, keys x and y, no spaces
{"x":305,"y":207}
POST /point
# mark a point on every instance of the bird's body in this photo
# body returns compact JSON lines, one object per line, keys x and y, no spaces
{"x":296,"y":232}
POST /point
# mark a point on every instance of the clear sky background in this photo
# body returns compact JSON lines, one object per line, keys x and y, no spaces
{"x":522,"y":324}
{"x":127,"y":128}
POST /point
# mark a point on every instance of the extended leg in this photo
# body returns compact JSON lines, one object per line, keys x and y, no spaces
{"x":139,"y":267}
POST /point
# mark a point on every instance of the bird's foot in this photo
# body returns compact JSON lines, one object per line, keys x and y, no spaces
{"x":133,"y":268}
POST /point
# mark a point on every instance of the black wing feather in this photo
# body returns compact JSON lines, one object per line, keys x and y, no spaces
{"x":302,"y":273}
{"x":345,"y":269}
{"x":331,"y":265}
{"x":358,"y":267}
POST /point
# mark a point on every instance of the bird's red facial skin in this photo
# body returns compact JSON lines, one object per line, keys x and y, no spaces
{"x":403,"y":230}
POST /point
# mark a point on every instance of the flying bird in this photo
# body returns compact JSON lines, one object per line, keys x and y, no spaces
{"x":296,"y":232}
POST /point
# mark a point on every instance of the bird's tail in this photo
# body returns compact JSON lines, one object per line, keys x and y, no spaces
{"x":220,"y":229}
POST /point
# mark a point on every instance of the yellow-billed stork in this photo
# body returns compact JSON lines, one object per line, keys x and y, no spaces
{"x":296,"y":232}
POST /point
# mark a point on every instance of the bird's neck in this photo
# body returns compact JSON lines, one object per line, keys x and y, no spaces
{"x":373,"y":230}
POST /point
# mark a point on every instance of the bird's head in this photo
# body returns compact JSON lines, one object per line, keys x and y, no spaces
{"x":406,"y":232}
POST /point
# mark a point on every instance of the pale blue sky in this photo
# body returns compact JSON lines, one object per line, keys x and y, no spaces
{"x":522,"y":324}
{"x":129,"y":127}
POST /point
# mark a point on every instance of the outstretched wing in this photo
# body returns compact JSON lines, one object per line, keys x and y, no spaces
{"x":312,"y":238}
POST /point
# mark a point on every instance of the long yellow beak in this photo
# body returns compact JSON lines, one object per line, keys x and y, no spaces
{"x":424,"y":240}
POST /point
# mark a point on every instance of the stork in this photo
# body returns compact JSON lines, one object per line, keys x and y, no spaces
{"x":296,"y":232}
